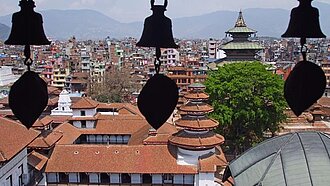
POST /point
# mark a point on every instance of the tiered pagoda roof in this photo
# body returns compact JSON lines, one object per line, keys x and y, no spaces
{"x":240,"y":26}
{"x":240,"y":47}
{"x":196,"y":132}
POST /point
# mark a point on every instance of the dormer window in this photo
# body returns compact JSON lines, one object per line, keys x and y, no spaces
{"x":82,"y":113}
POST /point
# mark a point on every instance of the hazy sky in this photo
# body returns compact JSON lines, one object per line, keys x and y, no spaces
{"x":137,"y":10}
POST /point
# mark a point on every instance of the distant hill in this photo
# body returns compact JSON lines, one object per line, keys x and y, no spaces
{"x":90,"y":24}
{"x":4,"y":32}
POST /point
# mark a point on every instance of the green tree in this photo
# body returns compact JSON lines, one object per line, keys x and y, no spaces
{"x":248,"y":100}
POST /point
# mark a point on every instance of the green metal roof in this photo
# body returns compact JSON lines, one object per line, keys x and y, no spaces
{"x":196,"y":85}
{"x":300,"y":158}
{"x":241,"y":30}
{"x":241,"y":46}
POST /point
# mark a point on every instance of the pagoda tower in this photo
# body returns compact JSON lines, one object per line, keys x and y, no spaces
{"x":240,"y":48}
{"x":196,"y":137}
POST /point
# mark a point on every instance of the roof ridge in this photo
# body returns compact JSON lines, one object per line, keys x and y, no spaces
{"x":2,"y":155}
{"x":274,"y":159}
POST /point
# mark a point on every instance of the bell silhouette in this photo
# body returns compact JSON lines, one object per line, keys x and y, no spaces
{"x":304,"y":22}
{"x":157,"y":30}
{"x":27,"y":26}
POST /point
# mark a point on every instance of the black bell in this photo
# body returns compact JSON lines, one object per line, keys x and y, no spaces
{"x":27,"y":26}
{"x":157,"y":30}
{"x":304,"y":22}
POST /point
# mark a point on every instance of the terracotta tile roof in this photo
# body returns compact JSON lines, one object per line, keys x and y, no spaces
{"x":158,"y":139}
{"x":167,"y":128}
{"x":78,"y":81}
{"x":210,"y":162}
{"x":52,"y":101}
{"x":4,"y":101}
{"x":197,"y":140}
{"x":138,"y":137}
{"x":6,"y":112}
{"x":192,"y":107}
{"x":85,"y":103}
{"x":197,"y":123}
{"x":324,"y":101}
{"x":117,"y":126}
{"x":179,"y":76}
{"x":52,"y":90}
{"x":80,"y":75}
{"x":197,"y":96}
{"x":70,"y":133}
{"x":60,"y":119}
{"x":83,"y":118}
{"x":14,"y":137}
{"x":41,"y":123}
{"x":154,"y":159}
{"x":36,"y":160}
{"x":46,"y":140}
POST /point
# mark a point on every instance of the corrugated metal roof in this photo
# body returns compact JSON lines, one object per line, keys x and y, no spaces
{"x":292,"y":159}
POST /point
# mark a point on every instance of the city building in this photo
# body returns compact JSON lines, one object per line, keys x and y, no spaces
{"x":112,"y":143}
{"x":240,"y":48}
{"x":14,"y":139}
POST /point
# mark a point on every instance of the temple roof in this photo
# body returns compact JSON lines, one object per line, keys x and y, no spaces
{"x":197,"y":96}
{"x":240,"y":26}
{"x":241,"y":46}
{"x":196,"y":141}
{"x":193,"y":108}
{"x":197,"y":123}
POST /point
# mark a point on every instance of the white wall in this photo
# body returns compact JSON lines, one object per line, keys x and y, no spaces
{"x":188,"y":157}
{"x":206,"y":179}
{"x":89,"y":124}
{"x":12,"y":168}
{"x":88,"y":112}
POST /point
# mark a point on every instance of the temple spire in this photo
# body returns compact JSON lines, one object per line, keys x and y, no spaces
{"x":240,"y":20}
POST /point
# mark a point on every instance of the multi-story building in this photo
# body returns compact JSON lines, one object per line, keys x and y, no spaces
{"x":14,"y":139}
{"x":60,"y":75}
{"x":170,"y":57}
{"x":212,"y":48}
{"x":85,"y":60}
{"x":184,"y":76}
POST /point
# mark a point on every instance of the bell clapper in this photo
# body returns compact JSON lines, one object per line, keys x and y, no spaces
{"x":303,"y":48}
{"x":157,"y":60}
{"x":27,"y":53}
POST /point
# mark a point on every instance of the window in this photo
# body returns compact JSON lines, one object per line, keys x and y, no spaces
{"x":168,"y":178}
{"x":82,"y":113}
{"x":125,"y":178}
{"x":83,"y":124}
{"x":9,"y":180}
{"x":146,"y":178}
{"x":20,"y":177}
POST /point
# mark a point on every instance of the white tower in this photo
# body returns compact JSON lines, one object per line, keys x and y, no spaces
{"x":64,"y":104}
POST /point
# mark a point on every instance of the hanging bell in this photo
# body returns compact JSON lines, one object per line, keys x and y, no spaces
{"x":157,"y":30}
{"x":304,"y":22}
{"x":27,"y":26}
